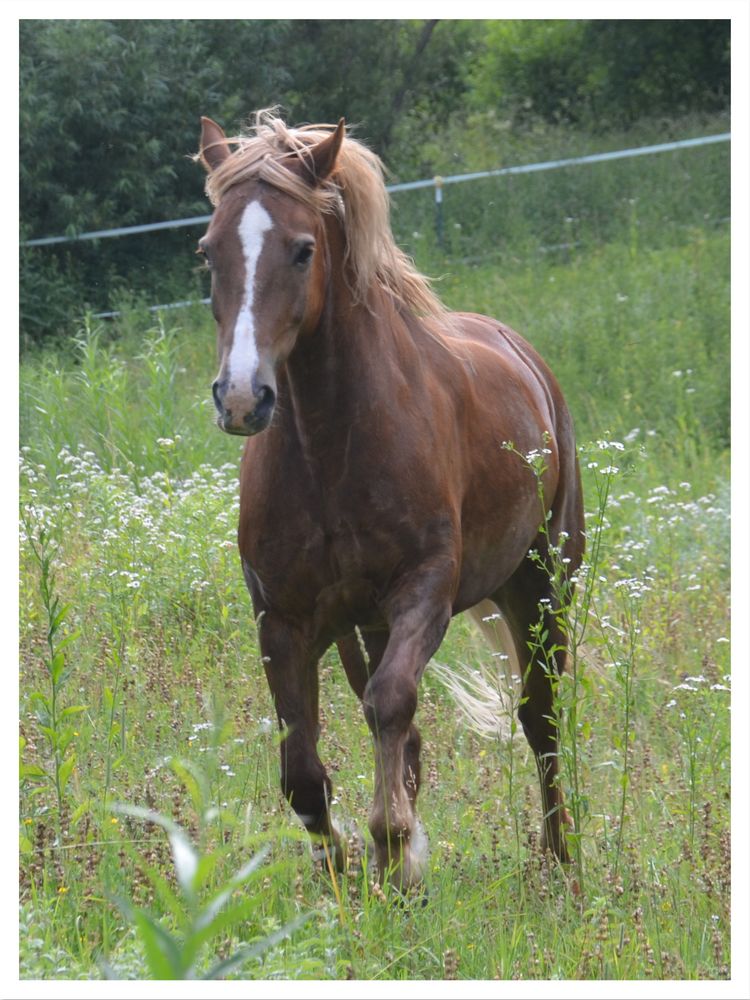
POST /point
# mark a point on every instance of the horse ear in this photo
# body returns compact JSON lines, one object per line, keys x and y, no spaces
{"x":214,"y":146}
{"x":320,"y":161}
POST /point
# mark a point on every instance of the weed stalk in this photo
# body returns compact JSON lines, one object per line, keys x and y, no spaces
{"x":53,"y":718}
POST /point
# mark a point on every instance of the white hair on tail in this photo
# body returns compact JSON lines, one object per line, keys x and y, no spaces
{"x":486,"y":696}
{"x":483,"y":697}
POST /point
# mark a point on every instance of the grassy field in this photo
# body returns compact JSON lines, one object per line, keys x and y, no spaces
{"x":143,"y":702}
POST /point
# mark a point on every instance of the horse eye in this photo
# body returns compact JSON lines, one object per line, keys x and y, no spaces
{"x":303,"y":254}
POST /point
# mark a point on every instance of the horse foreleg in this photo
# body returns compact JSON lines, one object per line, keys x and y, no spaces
{"x":292,"y":672}
{"x":390,"y":702}
{"x":359,"y":666}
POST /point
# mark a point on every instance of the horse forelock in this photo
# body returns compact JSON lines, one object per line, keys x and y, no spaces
{"x":355,"y":193}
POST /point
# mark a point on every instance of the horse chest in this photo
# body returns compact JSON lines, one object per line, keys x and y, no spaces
{"x":328,"y":556}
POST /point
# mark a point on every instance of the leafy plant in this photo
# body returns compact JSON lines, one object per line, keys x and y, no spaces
{"x":571,"y":610}
{"x":198,"y":914}
{"x":53,"y":718}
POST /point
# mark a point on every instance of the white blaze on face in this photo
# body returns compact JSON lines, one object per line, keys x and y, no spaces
{"x":243,"y":358}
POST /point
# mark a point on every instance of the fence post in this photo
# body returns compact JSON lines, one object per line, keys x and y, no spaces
{"x":438,"y":182}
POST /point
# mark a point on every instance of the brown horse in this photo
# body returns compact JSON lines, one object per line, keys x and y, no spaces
{"x":379,"y":496}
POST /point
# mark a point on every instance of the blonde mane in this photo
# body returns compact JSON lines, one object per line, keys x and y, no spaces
{"x":355,"y":193}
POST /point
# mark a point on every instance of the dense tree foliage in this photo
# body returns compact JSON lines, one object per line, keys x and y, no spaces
{"x":603,"y":73}
{"x":109,"y":110}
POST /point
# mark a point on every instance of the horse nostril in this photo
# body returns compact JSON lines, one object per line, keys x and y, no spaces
{"x":264,"y":407}
{"x":266,"y":400}
{"x":216,"y":389}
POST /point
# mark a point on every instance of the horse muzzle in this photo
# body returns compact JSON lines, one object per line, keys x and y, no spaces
{"x":233,"y":414}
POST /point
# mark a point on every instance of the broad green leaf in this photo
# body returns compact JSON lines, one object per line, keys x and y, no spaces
{"x":80,"y":811}
{"x":146,"y":815}
{"x":206,"y":865}
{"x":194,"y":781}
{"x":224,"y":919}
{"x":66,"y":769}
{"x":66,"y":640}
{"x":586,"y":683}
{"x":214,"y":906}
{"x":50,"y":733}
{"x":42,"y":708}
{"x":183,"y":852}
{"x":185,"y":861}
{"x":72,"y":710}
{"x":162,"y":950}
{"x":59,"y":617}
{"x":65,"y":674}
{"x":31,"y":771}
{"x":167,"y":895}
{"x":56,"y":667}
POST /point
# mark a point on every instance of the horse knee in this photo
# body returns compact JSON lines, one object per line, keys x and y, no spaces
{"x":389,"y":702}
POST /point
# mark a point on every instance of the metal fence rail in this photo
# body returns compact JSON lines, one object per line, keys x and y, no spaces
{"x":434,"y":182}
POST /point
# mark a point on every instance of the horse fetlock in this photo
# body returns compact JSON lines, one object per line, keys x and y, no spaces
{"x":307,"y":788}
{"x":384,"y":832}
{"x":554,"y":829}
{"x":402,"y":859}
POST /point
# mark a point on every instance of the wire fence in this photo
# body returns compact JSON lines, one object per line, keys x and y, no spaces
{"x":437,"y":183}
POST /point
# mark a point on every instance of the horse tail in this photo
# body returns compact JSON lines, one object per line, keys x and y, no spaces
{"x":487,"y":695}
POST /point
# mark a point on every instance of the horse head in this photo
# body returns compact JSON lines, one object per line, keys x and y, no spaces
{"x":265,"y":249}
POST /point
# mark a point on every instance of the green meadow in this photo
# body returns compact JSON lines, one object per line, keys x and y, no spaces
{"x":154,"y":840}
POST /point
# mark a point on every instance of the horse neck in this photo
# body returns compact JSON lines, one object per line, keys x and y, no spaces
{"x":348,"y":362}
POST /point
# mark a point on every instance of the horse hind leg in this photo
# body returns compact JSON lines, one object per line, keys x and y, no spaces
{"x":520,"y":601}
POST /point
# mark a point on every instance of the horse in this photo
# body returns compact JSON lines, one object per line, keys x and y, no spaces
{"x":378,"y":493}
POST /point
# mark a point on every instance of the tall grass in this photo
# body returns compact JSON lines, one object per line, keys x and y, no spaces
{"x":129,"y":494}
{"x":650,"y":201}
